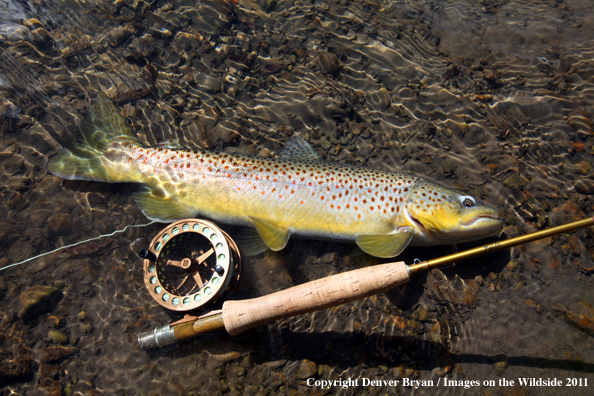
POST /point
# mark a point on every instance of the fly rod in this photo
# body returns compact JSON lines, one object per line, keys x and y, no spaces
{"x":238,"y":316}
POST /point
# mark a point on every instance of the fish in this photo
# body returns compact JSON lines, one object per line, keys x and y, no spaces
{"x":297,"y":193}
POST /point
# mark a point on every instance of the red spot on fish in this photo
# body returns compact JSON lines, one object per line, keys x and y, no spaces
{"x":301,"y":202}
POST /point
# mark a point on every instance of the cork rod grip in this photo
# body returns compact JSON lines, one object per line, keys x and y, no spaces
{"x":239,"y":316}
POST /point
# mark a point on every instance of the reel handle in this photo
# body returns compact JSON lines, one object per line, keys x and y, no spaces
{"x":239,"y":316}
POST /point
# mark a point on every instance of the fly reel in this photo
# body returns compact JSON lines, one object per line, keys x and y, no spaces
{"x":190,"y":264}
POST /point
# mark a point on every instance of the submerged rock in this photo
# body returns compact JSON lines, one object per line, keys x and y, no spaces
{"x":38,"y":300}
{"x":58,"y":337}
{"x":579,"y":315}
{"x":306,"y":369}
{"x":55,"y":353}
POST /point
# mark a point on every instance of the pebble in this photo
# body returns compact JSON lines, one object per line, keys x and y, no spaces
{"x":53,"y":387}
{"x":579,"y":315}
{"x":325,"y":144}
{"x":501,"y":363}
{"x":306,"y":369}
{"x":58,"y":337}
{"x":38,"y":300}
{"x":53,"y":353}
{"x":581,"y":123}
{"x":227,"y":357}
{"x":584,"y":186}
{"x":60,"y":223}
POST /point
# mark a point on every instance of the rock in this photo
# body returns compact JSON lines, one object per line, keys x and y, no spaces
{"x":60,"y":223}
{"x":17,"y":364}
{"x":576,"y":245}
{"x":58,"y":337}
{"x":422,"y":314}
{"x":513,"y":182}
{"x":38,"y":300}
{"x":54,"y":353}
{"x":501,"y":363}
{"x":533,"y":304}
{"x":306,"y":369}
{"x":471,"y":288}
{"x":48,"y":370}
{"x":276,"y":380}
{"x":52,"y":387}
{"x":584,"y":186}
{"x":327,"y":63}
{"x":239,"y":371}
{"x":579,"y":315}
{"x":325,"y":144}
{"x":227,"y":357}
{"x":580,"y":122}
{"x":435,"y":333}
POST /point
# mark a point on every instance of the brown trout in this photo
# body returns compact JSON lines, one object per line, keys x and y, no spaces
{"x":296,"y":193}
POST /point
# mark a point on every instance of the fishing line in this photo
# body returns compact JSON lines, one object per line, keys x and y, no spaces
{"x":144,"y":225}
{"x":77,"y":243}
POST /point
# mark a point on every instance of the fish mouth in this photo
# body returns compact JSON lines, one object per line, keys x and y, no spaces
{"x":482,"y":216}
{"x":419,"y":225}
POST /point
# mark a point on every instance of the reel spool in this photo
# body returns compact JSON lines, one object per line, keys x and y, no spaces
{"x":191,"y":264}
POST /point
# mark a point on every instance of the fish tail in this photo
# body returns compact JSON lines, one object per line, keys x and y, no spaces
{"x":85,"y":160}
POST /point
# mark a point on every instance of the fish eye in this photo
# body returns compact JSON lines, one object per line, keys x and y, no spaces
{"x":468,"y":202}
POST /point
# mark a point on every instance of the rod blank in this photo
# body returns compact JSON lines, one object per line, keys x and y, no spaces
{"x":239,"y":316}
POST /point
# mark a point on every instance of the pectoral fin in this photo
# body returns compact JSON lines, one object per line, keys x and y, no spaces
{"x":159,"y":207}
{"x":274,"y":236}
{"x":385,"y":246}
{"x":250,"y":243}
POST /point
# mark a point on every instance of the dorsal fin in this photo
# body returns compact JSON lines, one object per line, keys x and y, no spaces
{"x":298,"y":148}
{"x":172,"y":144}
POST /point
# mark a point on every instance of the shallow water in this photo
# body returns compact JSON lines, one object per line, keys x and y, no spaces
{"x":493,"y":98}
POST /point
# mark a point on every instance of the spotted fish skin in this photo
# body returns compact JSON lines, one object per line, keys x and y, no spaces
{"x":310,"y":197}
{"x":297,"y":193}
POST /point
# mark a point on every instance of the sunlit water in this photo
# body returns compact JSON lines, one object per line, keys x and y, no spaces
{"x":493,"y":98}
